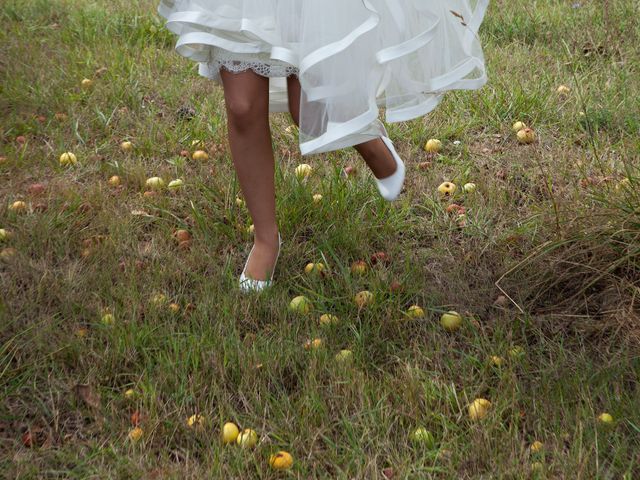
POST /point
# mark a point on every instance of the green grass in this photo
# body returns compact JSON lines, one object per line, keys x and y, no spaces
{"x":552,"y":226}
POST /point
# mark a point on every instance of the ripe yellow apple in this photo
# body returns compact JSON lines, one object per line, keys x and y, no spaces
{"x":518,"y":126}
{"x":451,"y":321}
{"x":344,"y":356}
{"x":422,"y":435}
{"x":130,"y":393}
{"x":230,"y":433}
{"x":536,"y":446}
{"x":363,"y":298}
{"x":155,"y":183}
{"x":4,"y":234}
{"x":313,"y":268}
{"x":18,"y":206}
{"x":317,"y":197}
{"x":86,"y":83}
{"x":415,"y":311}
{"x":303,"y":170}
{"x":313,"y":344}
{"x":281,"y":461}
{"x":358,"y":267}
{"x":114,"y":181}
{"x":605,"y":419}
{"x":479,"y":408}
{"x":469,"y":187}
{"x":68,"y":158}
{"x":108,"y":319}
{"x":135,"y":434}
{"x":174,"y":307}
{"x":126,"y":146}
{"x":300,"y":304}
{"x":563,"y":90}
{"x":446,"y":189}
{"x":159,"y":299}
{"x":526,"y":135}
{"x":433,"y":145}
{"x":176,"y":184}
{"x":247,"y":438}
{"x":200,"y":155}
{"x":328,"y":319}
{"x":196,"y":421}
{"x":496,"y":361}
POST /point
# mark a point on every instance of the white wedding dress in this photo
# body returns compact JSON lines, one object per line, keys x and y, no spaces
{"x":351,"y":56}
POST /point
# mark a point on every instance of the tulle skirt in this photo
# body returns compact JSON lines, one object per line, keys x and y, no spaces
{"x":352,"y":57}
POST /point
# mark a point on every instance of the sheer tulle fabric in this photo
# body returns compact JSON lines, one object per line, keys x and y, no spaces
{"x":352,"y":56}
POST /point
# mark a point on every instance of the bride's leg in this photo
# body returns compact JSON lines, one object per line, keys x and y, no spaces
{"x":246,"y":97}
{"x":374,"y":152}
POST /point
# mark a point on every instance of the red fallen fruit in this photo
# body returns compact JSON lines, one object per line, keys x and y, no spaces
{"x":184,"y":153}
{"x":182,"y":235}
{"x":42,"y":118}
{"x":21,"y":139}
{"x":388,"y":473}
{"x":36,"y":189}
{"x":395,"y":286}
{"x":380,"y":257}
{"x":135,"y":418}
{"x":349,"y":170}
{"x":455,"y":208}
{"x":150,"y":194}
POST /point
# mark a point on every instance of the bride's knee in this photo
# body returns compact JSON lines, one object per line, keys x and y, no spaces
{"x":244,"y":113}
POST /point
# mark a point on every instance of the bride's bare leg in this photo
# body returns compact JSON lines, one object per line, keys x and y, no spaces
{"x":246,"y":97}
{"x":374,"y":152}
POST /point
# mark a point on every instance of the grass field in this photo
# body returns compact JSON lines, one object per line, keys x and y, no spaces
{"x":545,"y":268}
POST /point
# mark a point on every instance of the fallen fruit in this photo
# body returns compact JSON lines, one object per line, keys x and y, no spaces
{"x":159,"y":299}
{"x":300,"y":304}
{"x":281,"y":461}
{"x":114,"y":181}
{"x":135,"y":434}
{"x":200,"y":155}
{"x":344,"y":356}
{"x":182,"y":235}
{"x":379,"y":257}
{"x":358,"y":267}
{"x":415,"y":311}
{"x":451,"y":321}
{"x":196,"y":421}
{"x":496,"y":361}
{"x":433,"y":145}
{"x":176,"y":184}
{"x":469,"y":187}
{"x":526,"y":136}
{"x":303,"y":170}
{"x":129,"y":394}
{"x":328,"y":319}
{"x":18,"y":206}
{"x":247,"y":438}
{"x":174,"y":307}
{"x":108,"y":319}
{"x":126,"y":146}
{"x":86,"y":83}
{"x":518,"y":126}
{"x":313,"y":344}
{"x":317,"y":197}
{"x":36,"y":189}
{"x":536,"y":446}
{"x":363,"y":298}
{"x":313,"y":268}
{"x":479,"y":408}
{"x":563,"y":90}
{"x":516,"y":352}
{"x":230,"y":432}
{"x":155,"y":183}
{"x":447,"y":189}
{"x":422,"y":435}
{"x":605,"y":419}
{"x":4,"y":234}
{"x":68,"y":158}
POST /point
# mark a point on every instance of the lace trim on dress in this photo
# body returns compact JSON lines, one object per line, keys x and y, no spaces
{"x":260,"y":63}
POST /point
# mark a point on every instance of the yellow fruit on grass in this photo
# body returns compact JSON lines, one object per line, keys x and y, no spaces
{"x":129,"y":394}
{"x":363,"y":298}
{"x":496,"y":361}
{"x":4,"y":234}
{"x":155,"y":183}
{"x":358,"y":267}
{"x":230,"y":432}
{"x":317,"y":197}
{"x":433,"y":145}
{"x":135,"y":434}
{"x":108,"y":319}
{"x":328,"y":319}
{"x":159,"y":299}
{"x":303,"y":170}
{"x":281,"y":460}
{"x":605,"y":418}
{"x":518,"y":126}
{"x":247,"y":438}
{"x":196,"y":421}
{"x":479,"y":408}
{"x":114,"y":181}
{"x":175,"y":184}
{"x":313,"y":344}
{"x":526,"y":135}
{"x":300,"y":304}
{"x":126,"y":146}
{"x":536,"y":446}
{"x":415,"y":311}
{"x":68,"y":158}
{"x":313,"y":268}
{"x":86,"y":83}
{"x":18,"y":206}
{"x":451,"y":321}
{"x":469,"y":187}
{"x":174,"y":307}
{"x":422,"y":435}
{"x":200,"y":155}
{"x":344,"y":356}
{"x":446,"y":189}
{"x":563,"y":90}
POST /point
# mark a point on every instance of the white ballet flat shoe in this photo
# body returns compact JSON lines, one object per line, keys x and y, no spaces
{"x":247,"y":284}
{"x":391,"y":186}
